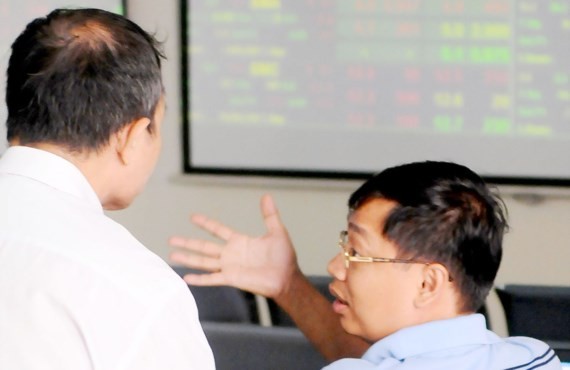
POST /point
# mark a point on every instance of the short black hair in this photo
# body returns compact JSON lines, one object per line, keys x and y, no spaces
{"x":445,"y":213}
{"x":77,"y":76}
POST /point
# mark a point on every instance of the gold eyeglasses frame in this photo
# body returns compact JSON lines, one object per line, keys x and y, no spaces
{"x":348,"y":258}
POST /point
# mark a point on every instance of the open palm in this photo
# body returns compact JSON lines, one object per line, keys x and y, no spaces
{"x":261,"y":265}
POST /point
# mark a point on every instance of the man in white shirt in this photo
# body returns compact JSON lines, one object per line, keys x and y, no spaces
{"x":77,"y":290}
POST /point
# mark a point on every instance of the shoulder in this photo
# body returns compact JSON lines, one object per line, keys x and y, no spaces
{"x":520,"y":353}
{"x":77,"y":254}
{"x":523,"y":353}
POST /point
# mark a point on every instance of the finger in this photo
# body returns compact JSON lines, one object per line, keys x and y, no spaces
{"x":216,"y":278}
{"x":270,"y":214}
{"x":196,"y":261}
{"x":205,"y":247}
{"x":212,"y":226}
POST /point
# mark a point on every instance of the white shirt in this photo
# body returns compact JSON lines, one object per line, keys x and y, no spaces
{"x":77,"y":290}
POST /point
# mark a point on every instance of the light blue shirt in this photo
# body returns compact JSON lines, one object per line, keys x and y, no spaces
{"x":462,"y":343}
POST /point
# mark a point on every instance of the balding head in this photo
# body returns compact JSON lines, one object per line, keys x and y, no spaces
{"x":77,"y":76}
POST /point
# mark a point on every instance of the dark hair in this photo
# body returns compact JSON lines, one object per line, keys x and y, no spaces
{"x":77,"y":76}
{"x":446,"y":214}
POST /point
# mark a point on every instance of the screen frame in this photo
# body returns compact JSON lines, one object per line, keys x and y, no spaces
{"x":189,"y":168}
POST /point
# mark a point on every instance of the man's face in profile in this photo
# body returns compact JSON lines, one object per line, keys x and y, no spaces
{"x":374,"y":299}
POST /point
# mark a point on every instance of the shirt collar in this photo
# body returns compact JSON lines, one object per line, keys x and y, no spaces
{"x":51,"y":170}
{"x":432,"y":336}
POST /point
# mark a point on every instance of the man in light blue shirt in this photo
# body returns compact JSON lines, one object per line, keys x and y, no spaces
{"x":418,"y":258}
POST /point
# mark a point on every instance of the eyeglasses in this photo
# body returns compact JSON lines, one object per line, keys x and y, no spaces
{"x":349,"y":254}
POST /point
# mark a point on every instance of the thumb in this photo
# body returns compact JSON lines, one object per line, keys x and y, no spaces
{"x":270,"y":214}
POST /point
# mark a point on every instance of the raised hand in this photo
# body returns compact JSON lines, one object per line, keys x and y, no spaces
{"x":266,"y":265}
{"x":262,"y":265}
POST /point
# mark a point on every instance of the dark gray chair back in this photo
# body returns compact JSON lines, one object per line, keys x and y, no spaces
{"x":222,"y":303}
{"x":254,"y":347}
{"x":537,"y":311}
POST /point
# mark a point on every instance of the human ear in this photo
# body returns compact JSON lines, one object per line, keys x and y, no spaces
{"x":129,"y":138}
{"x":434,"y":277}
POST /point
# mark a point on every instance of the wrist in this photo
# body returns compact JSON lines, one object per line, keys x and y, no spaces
{"x":292,"y":286}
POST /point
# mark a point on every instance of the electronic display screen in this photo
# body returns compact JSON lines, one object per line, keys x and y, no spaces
{"x":344,"y":87}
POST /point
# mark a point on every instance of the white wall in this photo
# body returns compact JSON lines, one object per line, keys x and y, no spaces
{"x":537,"y":249}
